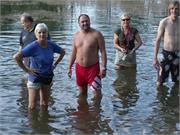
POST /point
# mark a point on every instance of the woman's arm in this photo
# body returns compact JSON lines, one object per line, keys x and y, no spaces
{"x":19,"y":60}
{"x":117,"y":45}
{"x":60,"y":57}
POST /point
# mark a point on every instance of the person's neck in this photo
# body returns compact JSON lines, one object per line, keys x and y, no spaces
{"x":173,"y":18}
{"x":31,"y":27}
{"x":42,"y":43}
{"x":126,"y":29}
{"x":86,"y":31}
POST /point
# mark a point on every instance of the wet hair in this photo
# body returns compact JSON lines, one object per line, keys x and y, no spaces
{"x":83,"y":15}
{"x":41,"y":26}
{"x":28,"y":17}
{"x":172,"y":4}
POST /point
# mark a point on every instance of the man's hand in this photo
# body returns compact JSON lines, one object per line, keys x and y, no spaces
{"x":156,"y":64}
{"x":70,"y":72}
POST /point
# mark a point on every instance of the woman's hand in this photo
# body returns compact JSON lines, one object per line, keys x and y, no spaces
{"x":123,"y":50}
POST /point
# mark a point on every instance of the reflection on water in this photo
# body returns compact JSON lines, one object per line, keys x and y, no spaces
{"x":131,"y":103}
{"x":167,"y":104}
{"x":87,"y":118}
{"x":23,"y":98}
{"x":39,"y":122}
{"x":125,"y":86}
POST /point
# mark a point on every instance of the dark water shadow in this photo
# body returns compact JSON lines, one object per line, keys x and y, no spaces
{"x":22,"y":101}
{"x":165,"y":116}
{"x":39,"y":122}
{"x":87,"y":117}
{"x":125,"y":87}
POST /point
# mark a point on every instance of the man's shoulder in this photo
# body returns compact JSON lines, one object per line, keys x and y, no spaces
{"x":93,"y":30}
{"x":76,"y":34}
{"x":164,"y":20}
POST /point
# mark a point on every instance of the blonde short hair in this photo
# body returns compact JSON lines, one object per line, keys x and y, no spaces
{"x":125,"y":15}
{"x":41,"y":26}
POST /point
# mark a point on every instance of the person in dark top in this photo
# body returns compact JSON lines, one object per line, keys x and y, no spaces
{"x":124,"y":43}
{"x":27,"y":34}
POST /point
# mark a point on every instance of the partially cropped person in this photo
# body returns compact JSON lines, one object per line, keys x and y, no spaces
{"x":87,"y":43}
{"x":42,"y":64}
{"x":27,"y":34}
{"x":126,"y":41}
{"x":168,"y":30}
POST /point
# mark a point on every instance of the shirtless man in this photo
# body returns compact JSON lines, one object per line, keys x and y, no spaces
{"x":85,"y":47}
{"x":169,"y":28}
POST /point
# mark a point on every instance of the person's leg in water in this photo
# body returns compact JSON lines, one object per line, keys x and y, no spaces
{"x":83,"y":90}
{"x":162,"y":72}
{"x":32,"y":95}
{"x":44,"y":97}
{"x":175,"y":71}
{"x":82,"y":104}
{"x":33,"y":89}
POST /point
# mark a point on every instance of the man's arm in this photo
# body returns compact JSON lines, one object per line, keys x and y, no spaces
{"x":72,"y":58}
{"x":160,"y":33}
{"x":102,"y":48}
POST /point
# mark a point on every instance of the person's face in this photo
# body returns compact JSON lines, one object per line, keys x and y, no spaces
{"x":174,"y":11}
{"x":84,"y":22}
{"x":125,"y":21}
{"x":26,"y":24}
{"x":41,"y":34}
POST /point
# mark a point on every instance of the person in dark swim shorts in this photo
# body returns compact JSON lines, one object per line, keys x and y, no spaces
{"x":168,"y":64}
{"x":169,"y":30}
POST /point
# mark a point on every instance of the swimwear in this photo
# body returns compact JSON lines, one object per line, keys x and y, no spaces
{"x":88,"y":76}
{"x":36,"y":86}
{"x":169,"y":63}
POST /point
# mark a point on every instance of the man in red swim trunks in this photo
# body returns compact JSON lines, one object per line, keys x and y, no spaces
{"x":85,"y":47}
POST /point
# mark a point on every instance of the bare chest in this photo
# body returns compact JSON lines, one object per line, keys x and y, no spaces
{"x":86,"y":42}
{"x":172,"y":29}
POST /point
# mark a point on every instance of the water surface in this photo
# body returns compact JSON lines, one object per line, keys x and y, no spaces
{"x":130,"y":104}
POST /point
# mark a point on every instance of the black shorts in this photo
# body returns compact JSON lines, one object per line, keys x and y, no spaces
{"x":169,"y":63}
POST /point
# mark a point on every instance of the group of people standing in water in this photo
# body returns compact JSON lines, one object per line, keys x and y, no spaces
{"x":36,"y":54}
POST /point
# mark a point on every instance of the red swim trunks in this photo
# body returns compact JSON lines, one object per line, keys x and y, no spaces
{"x":88,"y":76}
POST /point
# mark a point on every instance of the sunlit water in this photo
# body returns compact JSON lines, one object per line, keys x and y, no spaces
{"x":130,"y":104}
